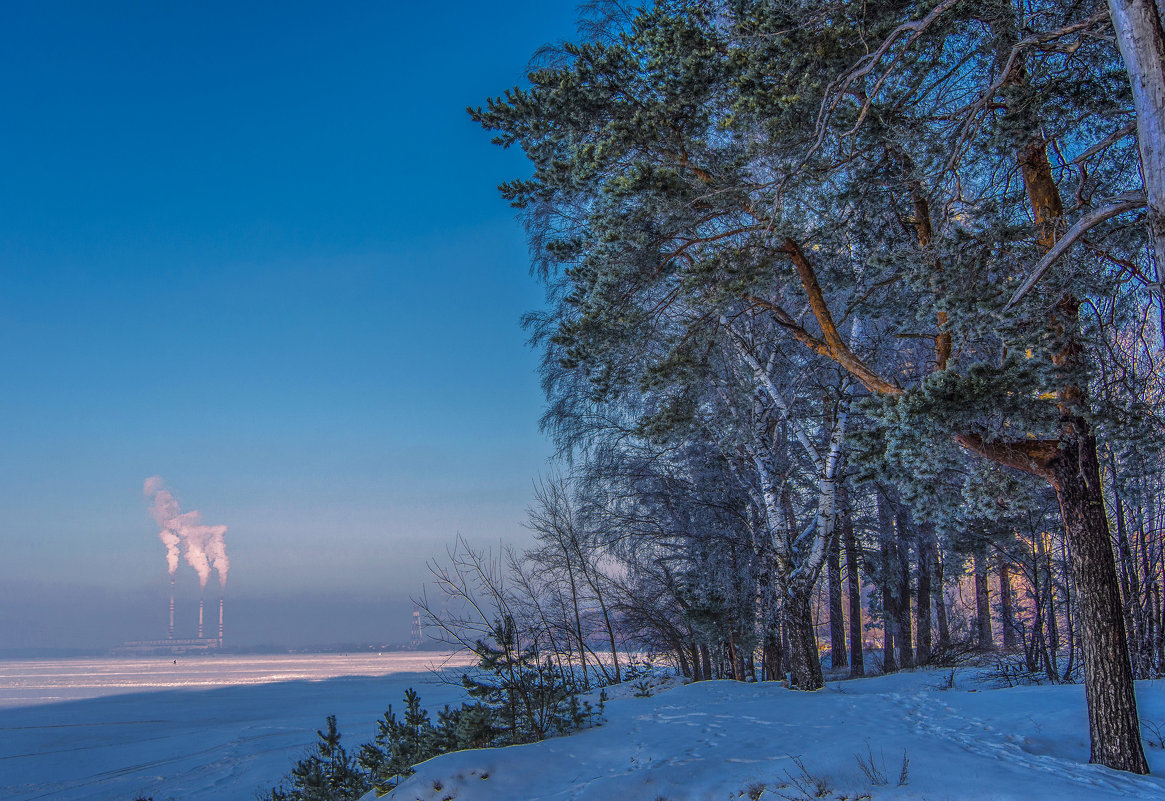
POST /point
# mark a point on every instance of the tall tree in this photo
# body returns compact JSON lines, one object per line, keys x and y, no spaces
{"x":817,"y":163}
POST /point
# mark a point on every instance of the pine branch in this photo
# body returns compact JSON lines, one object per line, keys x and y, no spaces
{"x":1029,"y":455}
{"x":835,"y":347}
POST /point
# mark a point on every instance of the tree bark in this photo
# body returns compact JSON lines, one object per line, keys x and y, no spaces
{"x":940,"y":606}
{"x":805,"y":662}
{"x":685,"y":667}
{"x":1141,"y":41}
{"x":983,"y":600}
{"x":886,"y":576}
{"x":926,"y":561}
{"x":837,"y":649}
{"x":904,"y":631}
{"x":578,"y":632}
{"x":1006,"y":603}
{"x":1127,"y":572}
{"x":846,"y":524}
{"x":1108,"y":688}
{"x":771,"y":670}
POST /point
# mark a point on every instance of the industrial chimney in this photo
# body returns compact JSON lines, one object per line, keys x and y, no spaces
{"x":220,"y":622}
{"x":171,"y":607}
{"x":200,"y":618}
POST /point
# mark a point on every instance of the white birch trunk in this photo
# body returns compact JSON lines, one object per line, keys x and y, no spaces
{"x":1141,"y":40}
{"x":804,"y":558}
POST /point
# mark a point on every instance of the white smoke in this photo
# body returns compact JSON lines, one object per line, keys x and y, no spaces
{"x":202,"y":546}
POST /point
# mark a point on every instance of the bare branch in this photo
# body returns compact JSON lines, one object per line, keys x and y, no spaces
{"x":1118,"y":205}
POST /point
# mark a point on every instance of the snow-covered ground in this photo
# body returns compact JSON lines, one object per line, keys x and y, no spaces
{"x":204,"y":729}
{"x":713,"y":740}
{"x":725,"y":740}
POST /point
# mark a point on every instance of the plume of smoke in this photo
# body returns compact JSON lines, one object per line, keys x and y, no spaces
{"x":203,"y":546}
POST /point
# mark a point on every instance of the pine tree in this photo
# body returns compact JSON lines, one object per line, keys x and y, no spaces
{"x":327,"y":773}
{"x":710,"y":168}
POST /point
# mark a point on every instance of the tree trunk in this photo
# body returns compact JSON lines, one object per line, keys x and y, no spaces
{"x":1127,"y":573}
{"x":1141,"y":40}
{"x":1044,"y":567}
{"x":926,"y":561}
{"x":983,"y":600}
{"x":578,"y":632}
{"x":682,"y":656}
{"x":1006,"y":603}
{"x":771,"y":670}
{"x":734,"y":662}
{"x":803,"y":656}
{"x":1112,"y":703}
{"x":846,"y":523}
{"x":904,"y":631}
{"x":1074,"y":470}
{"x":940,"y":606}
{"x":886,"y":576}
{"x":838,"y":657}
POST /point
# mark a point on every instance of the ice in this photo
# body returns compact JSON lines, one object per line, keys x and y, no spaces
{"x":205,"y":729}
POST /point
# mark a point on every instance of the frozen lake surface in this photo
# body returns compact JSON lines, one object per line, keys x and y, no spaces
{"x":205,"y":727}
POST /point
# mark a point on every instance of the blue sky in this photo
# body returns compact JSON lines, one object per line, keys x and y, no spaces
{"x":257,"y":249}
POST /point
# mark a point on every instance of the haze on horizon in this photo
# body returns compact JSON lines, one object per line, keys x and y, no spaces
{"x":258,"y":252}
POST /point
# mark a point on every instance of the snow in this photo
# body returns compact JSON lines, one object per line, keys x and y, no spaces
{"x":727,"y":740}
{"x":205,"y":729}
{"x":188,"y":739}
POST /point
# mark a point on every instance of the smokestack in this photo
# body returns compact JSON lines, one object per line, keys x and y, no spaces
{"x":220,"y":622}
{"x":171,"y":607}
{"x":200,"y":618}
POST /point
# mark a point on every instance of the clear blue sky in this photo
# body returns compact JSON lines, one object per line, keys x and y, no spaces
{"x":257,"y":249}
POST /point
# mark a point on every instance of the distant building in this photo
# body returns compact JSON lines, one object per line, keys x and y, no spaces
{"x":192,"y":645}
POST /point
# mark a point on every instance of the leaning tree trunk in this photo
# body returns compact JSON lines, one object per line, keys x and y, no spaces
{"x":804,"y":661}
{"x":1108,"y":686}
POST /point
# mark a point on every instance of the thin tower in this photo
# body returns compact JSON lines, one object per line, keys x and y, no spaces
{"x":171,"y":607}
{"x":417,"y":638}
{"x":200,"y":618}
{"x":220,"y":622}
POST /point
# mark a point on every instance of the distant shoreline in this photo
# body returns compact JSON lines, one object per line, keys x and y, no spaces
{"x":269,"y":650}
{"x":25,"y":682}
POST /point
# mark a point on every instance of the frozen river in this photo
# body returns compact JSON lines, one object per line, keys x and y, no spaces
{"x":200,"y":728}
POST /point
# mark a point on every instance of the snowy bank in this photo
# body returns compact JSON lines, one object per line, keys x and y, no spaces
{"x":728,"y":740}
